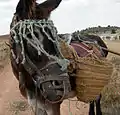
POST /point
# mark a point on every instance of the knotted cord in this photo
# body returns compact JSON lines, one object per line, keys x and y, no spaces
{"x":19,"y":34}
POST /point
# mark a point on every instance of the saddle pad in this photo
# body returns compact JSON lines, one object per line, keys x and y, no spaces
{"x":84,"y":50}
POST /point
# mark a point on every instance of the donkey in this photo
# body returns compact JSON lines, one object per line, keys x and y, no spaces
{"x":29,"y":9}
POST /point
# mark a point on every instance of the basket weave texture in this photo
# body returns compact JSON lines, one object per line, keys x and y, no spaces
{"x":91,"y":73}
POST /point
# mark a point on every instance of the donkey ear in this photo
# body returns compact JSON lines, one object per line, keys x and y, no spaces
{"x":49,"y":5}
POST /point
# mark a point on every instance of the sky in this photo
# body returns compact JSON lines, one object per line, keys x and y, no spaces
{"x":71,"y":15}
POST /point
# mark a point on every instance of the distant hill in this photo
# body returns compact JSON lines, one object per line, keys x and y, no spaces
{"x":4,"y":37}
{"x":109,"y":32}
{"x":101,"y":30}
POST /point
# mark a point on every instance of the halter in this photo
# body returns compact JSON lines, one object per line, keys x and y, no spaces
{"x":18,"y":35}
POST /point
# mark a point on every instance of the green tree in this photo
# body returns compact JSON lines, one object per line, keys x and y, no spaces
{"x":113,"y":31}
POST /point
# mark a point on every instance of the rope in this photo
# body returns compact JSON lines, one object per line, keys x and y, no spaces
{"x":28,"y":26}
{"x":113,"y":52}
{"x":36,"y":103}
{"x":84,"y":41}
{"x":70,"y":113}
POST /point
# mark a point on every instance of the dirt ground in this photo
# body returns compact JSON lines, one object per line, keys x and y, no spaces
{"x":12,"y":103}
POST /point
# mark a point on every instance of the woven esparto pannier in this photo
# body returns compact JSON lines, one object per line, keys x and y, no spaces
{"x":92,"y":73}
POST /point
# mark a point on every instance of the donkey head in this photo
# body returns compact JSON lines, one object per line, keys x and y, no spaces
{"x":43,"y":36}
{"x":29,"y":9}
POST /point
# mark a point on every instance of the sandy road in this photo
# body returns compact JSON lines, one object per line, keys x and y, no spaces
{"x":12,"y":103}
{"x":10,"y":99}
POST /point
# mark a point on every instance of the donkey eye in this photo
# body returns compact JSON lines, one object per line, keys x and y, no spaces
{"x":29,"y":36}
{"x":36,"y":34}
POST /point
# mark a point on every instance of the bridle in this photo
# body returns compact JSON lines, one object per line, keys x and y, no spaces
{"x":43,"y":75}
{"x":62,"y":77}
{"x":46,"y":74}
